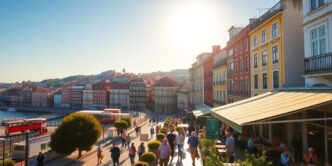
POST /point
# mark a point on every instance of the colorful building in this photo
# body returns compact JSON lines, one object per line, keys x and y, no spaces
{"x":42,"y":97}
{"x":276,"y":49}
{"x":138,"y":94}
{"x":317,"y":29}
{"x":87,"y":97}
{"x":57,"y":99}
{"x":196,"y":76}
{"x":220,"y":78}
{"x":183,"y":97}
{"x":208,"y":77}
{"x":101,"y":95}
{"x":165,"y":95}
{"x":119,"y":95}
{"x":238,"y":63}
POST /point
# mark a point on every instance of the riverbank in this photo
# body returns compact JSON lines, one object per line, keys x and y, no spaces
{"x":40,"y":110}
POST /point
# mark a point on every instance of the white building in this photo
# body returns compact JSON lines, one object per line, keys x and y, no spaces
{"x":317,"y":27}
{"x":119,"y":95}
{"x":57,"y":100}
{"x":87,"y":97}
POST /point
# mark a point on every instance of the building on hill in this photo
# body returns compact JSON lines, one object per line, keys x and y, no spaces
{"x":276,"y":49}
{"x":138,"y":94}
{"x":87,"y":97}
{"x":57,"y":99}
{"x":119,"y":95}
{"x":165,"y":95}
{"x":183,"y":97}
{"x":42,"y":97}
{"x":101,"y":93}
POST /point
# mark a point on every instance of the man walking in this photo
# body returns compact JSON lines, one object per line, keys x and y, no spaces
{"x":164,"y":151}
{"x":171,"y":140}
{"x":40,"y":159}
{"x":229,"y":147}
{"x":193,"y":143}
{"x":115,"y":154}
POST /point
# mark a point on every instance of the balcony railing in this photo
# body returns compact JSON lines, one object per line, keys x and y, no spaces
{"x":318,"y":64}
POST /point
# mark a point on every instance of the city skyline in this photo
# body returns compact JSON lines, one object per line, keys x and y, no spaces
{"x":41,"y":40}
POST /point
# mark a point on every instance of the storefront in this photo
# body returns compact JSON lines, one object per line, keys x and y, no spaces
{"x":282,"y":115}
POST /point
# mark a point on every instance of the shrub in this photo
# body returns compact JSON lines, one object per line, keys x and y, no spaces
{"x":163,"y":130}
{"x":141,"y":163}
{"x":178,"y":129}
{"x":209,"y":156}
{"x":166,"y":125}
{"x":121,"y":124}
{"x":160,"y":136}
{"x":251,"y":160}
{"x":128,"y":120}
{"x":153,"y":145}
{"x":8,"y":163}
{"x":148,"y":157}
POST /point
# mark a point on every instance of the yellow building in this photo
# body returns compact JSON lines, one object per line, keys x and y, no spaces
{"x":277,"y":54}
{"x":220,"y":78}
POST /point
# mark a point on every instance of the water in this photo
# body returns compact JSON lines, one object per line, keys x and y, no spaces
{"x":21,"y":114}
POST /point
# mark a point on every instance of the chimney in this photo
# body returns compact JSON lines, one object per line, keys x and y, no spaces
{"x":252,"y":20}
{"x":215,"y":49}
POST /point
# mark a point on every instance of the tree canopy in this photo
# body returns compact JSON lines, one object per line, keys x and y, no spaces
{"x":77,"y":131}
{"x":121,"y":124}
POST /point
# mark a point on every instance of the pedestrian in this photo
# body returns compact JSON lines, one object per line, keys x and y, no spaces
{"x":150,"y":120}
{"x":123,"y":139}
{"x":128,"y":140}
{"x":151,"y":131}
{"x":164,"y":152}
{"x":141,"y":150}
{"x":115,"y":154}
{"x":229,"y":147}
{"x":136,"y":130}
{"x":298,"y":147}
{"x":139,"y":129}
{"x":100,"y":155}
{"x":193,"y":143}
{"x":157,"y":129}
{"x":171,"y":140}
{"x":180,"y":142}
{"x":132,"y":153}
{"x":40,"y":159}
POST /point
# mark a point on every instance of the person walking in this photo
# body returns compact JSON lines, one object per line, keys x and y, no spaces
{"x":136,"y":130}
{"x":193,"y":143}
{"x":132,"y":153}
{"x":171,"y":140}
{"x":115,"y":154}
{"x":180,"y":142}
{"x":164,"y":152}
{"x":229,"y":147}
{"x":123,"y":138}
{"x":128,"y":140}
{"x":141,"y":150}
{"x":40,"y":159}
{"x":157,"y":129}
{"x":99,"y":155}
{"x":152,"y":131}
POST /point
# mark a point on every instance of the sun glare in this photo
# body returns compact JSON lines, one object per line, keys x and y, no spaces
{"x":193,"y":23}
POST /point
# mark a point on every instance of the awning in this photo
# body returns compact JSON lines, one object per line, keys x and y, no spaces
{"x":270,"y":105}
{"x":204,"y":110}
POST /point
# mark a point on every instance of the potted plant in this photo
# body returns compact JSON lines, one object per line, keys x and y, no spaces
{"x":149,"y":157}
{"x":141,"y":163}
{"x":160,"y":136}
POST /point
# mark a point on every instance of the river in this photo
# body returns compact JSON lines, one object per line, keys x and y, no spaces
{"x":22,"y":114}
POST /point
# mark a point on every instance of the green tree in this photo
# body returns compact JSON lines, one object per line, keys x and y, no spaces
{"x":121,"y":124}
{"x":128,"y":120}
{"x":77,"y":131}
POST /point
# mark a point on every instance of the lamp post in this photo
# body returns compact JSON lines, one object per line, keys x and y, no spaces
{"x":3,"y":140}
{"x":27,"y":147}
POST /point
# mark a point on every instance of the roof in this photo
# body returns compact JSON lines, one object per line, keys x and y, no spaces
{"x":43,"y":90}
{"x":185,"y":86}
{"x":117,"y":85}
{"x":270,"y":105}
{"x":165,"y":82}
{"x":204,"y":110}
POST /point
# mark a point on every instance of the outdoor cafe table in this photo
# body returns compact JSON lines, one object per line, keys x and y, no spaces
{"x":218,"y":142}
{"x":220,"y":146}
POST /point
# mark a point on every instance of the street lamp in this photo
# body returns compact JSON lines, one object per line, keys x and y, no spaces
{"x":27,"y":147}
{"x":3,"y":140}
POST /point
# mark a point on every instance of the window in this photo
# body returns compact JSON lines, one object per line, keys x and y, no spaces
{"x":240,"y":48}
{"x":276,"y":79}
{"x":318,"y":41}
{"x":275,"y":54}
{"x":230,"y":68}
{"x":314,"y":4}
{"x":264,"y":81}
{"x":247,"y":45}
{"x":264,"y":58}
{"x":255,"y":41}
{"x":230,"y":52}
{"x":235,"y":67}
{"x":255,"y":60}
{"x":247,"y":63}
{"x":241,"y":87}
{"x":236,"y":88}
{"x":247,"y":87}
{"x":274,"y":30}
{"x":256,"y":81}
{"x":263,"y":36}
{"x":241,"y":65}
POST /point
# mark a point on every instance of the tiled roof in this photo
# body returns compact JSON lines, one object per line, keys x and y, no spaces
{"x":115,"y":85}
{"x":43,"y":90}
{"x":165,"y":82}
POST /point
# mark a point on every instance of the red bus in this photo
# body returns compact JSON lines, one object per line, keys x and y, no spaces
{"x":37,"y":125}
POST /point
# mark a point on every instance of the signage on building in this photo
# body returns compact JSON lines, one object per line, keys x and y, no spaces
{"x":212,"y":128}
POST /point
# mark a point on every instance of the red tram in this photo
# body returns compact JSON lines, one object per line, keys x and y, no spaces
{"x":37,"y":125}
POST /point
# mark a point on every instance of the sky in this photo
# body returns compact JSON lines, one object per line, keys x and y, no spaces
{"x":53,"y":39}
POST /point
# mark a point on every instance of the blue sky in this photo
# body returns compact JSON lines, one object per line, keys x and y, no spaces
{"x":53,"y":39}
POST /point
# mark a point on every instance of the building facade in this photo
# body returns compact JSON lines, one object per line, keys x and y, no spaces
{"x":183,"y":97}
{"x":101,"y":93}
{"x":276,"y":45}
{"x":57,"y":101}
{"x":165,"y":95}
{"x":238,"y":63}
{"x":220,"y":78}
{"x":42,"y":98}
{"x":208,"y":77}
{"x":196,"y":77}
{"x":75,"y":96}
{"x":87,"y":97}
{"x":119,"y":95}
{"x":317,"y":29}
{"x":138,"y":94}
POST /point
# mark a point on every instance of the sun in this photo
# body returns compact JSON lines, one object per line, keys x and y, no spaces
{"x":192,"y":23}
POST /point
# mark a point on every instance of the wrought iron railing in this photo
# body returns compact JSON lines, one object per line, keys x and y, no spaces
{"x":318,"y":64}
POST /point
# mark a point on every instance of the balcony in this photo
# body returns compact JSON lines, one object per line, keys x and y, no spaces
{"x":321,"y":64}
